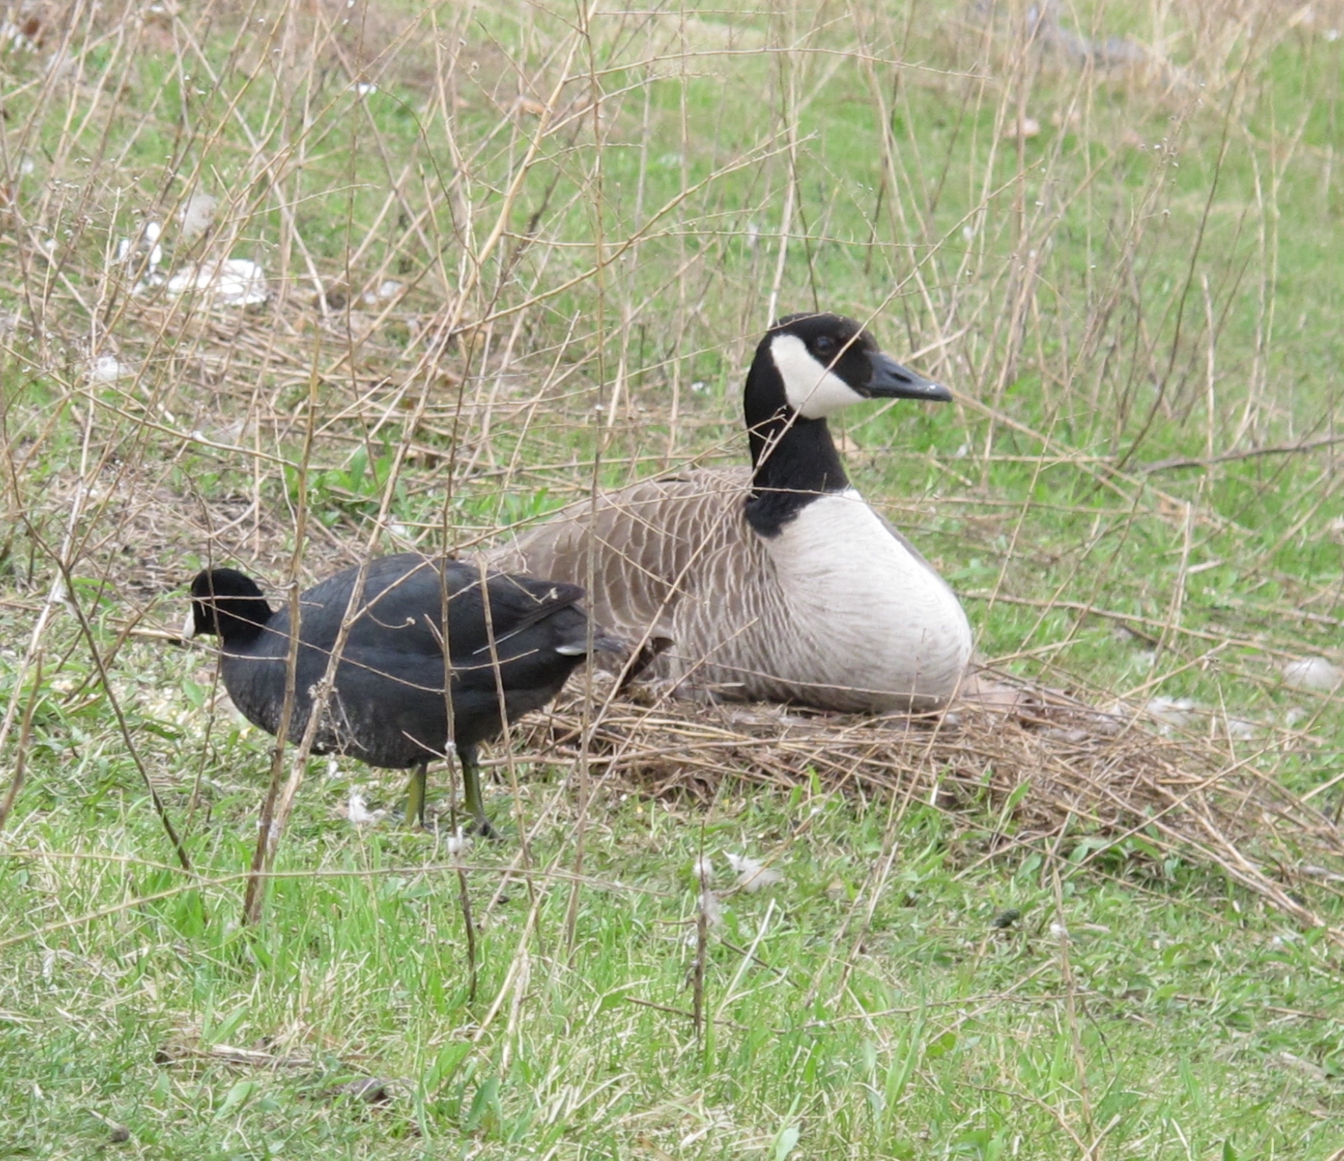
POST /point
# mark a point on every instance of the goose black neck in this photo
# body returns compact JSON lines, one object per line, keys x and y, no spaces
{"x":793,"y":459}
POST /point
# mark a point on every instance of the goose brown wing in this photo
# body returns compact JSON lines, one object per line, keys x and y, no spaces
{"x":635,"y":550}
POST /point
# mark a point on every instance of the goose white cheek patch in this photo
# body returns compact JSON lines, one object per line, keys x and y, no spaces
{"x":812,"y":391}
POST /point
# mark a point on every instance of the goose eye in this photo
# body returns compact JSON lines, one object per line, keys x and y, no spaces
{"x":825,"y":346}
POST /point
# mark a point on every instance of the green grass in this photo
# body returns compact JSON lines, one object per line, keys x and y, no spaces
{"x":1134,"y":492}
{"x":1174,"y":1016}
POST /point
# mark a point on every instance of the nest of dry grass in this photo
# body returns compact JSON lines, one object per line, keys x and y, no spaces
{"x":1030,"y":764}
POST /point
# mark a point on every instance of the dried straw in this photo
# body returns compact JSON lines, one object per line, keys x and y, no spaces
{"x":1030,"y":764}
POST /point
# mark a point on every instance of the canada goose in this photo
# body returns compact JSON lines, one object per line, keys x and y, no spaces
{"x":780,"y":583}
{"x":387,"y":704}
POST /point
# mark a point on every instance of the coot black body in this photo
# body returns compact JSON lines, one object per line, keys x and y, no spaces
{"x":387,"y":706}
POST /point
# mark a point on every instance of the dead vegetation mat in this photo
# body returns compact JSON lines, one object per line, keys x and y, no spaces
{"x":1039,"y":766}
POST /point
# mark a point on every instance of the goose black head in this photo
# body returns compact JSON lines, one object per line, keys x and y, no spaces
{"x":228,"y":604}
{"x":824,"y":362}
{"x":807,"y":367}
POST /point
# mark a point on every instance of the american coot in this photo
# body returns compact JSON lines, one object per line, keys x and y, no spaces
{"x":779,"y":582}
{"x":387,"y":705}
